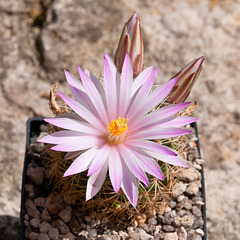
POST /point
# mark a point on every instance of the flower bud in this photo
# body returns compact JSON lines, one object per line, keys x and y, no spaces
{"x":130,"y":42}
{"x":186,"y":79}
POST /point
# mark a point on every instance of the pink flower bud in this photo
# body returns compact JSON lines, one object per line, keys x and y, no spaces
{"x":186,"y":79}
{"x":130,"y":42}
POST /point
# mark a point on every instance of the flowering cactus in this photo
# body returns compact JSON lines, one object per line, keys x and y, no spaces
{"x":111,"y":128}
{"x":130,"y":42}
{"x":186,"y":79}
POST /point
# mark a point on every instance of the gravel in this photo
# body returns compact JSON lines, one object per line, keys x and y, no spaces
{"x":49,"y":216}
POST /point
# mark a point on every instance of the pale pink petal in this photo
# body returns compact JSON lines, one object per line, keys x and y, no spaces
{"x":61,"y":137}
{"x":79,"y":92}
{"x":73,"y":81}
{"x":173,"y":121}
{"x":130,"y":185}
{"x":115,"y":169}
{"x":177,"y":161}
{"x":82,"y":111}
{"x":97,"y":84}
{"x":157,"y":96}
{"x":94,"y":95}
{"x":77,"y":144}
{"x":151,"y":146}
{"x":139,"y":98}
{"x":125,"y":85}
{"x":75,"y":125}
{"x":150,"y":165}
{"x":96,"y":181}
{"x":158,"y":115}
{"x":141,"y":79}
{"x":82,"y":162}
{"x":159,"y":133}
{"x":110,"y":76}
{"x":99,"y":159}
{"x":132,"y":163}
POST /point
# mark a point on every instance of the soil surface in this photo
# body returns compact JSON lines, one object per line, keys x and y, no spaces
{"x":40,"y":38}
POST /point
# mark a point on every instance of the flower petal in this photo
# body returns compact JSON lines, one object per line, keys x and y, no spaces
{"x":125,"y":85}
{"x":61,"y":137}
{"x":141,"y":79}
{"x":156,"y":97}
{"x":79,"y":92}
{"x":77,"y":144}
{"x":177,"y":161}
{"x":159,"y":133}
{"x":72,"y":124}
{"x":96,"y":181}
{"x":111,"y":84}
{"x":149,"y":165}
{"x":130,"y":185}
{"x":159,"y":114}
{"x":82,"y":111}
{"x":132,"y":163}
{"x":97,"y":84}
{"x":82,"y":162}
{"x":173,"y":121}
{"x":151,"y":146}
{"x":99,"y":159}
{"x":115,"y":169}
{"x":138,"y":100}
{"x":94,"y":95}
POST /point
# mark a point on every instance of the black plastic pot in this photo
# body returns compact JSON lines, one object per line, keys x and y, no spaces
{"x":33,"y":126}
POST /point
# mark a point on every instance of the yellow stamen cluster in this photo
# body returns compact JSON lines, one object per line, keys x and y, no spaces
{"x":117,"y":131}
{"x":118,"y":126}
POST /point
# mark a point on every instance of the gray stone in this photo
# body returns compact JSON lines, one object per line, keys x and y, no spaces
{"x":35,"y":222}
{"x":31,"y":209}
{"x":178,"y":189}
{"x":39,"y":202}
{"x":144,"y":236}
{"x":182,"y":234}
{"x":171,"y":236}
{"x":35,"y":173}
{"x":188,"y":175}
{"x":33,"y":236}
{"x":61,"y":226}
{"x":168,"y":228}
{"x":187,"y":221}
{"x":53,"y":233}
{"x":92,"y":233}
{"x":43,"y":236}
{"x":152,"y":221}
{"x":44,"y":227}
{"x":134,"y":235}
{"x":193,"y":188}
{"x":66,"y":214}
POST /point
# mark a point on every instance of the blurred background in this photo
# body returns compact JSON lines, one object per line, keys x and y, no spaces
{"x":41,"y":38}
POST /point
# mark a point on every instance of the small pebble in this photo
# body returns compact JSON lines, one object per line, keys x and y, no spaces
{"x":144,"y":236}
{"x":92,"y":233}
{"x":39,"y":202}
{"x":44,"y":227}
{"x":168,"y":228}
{"x":171,"y":236}
{"x":35,"y":222}
{"x":33,"y":236}
{"x":53,"y":233}
{"x":134,"y":235}
{"x":43,"y":236}
{"x":152,"y":221}
{"x":200,"y":232}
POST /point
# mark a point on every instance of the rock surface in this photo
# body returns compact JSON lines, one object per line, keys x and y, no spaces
{"x":41,"y":38}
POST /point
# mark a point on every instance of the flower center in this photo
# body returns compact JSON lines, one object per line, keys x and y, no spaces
{"x":117,"y":130}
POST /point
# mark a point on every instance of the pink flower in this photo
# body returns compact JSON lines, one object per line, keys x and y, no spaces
{"x":113,"y":127}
